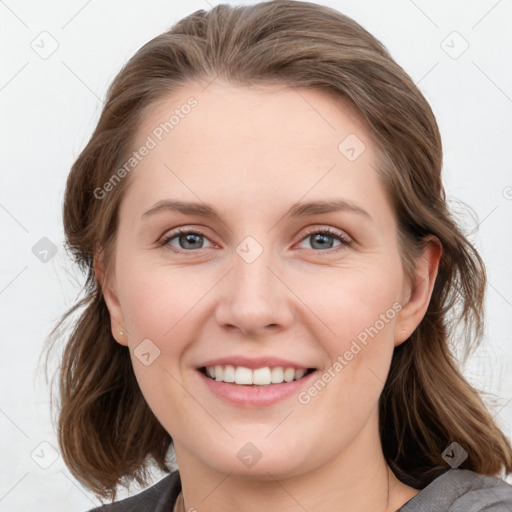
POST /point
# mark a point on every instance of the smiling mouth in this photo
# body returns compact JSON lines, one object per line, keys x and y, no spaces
{"x":240,"y":375}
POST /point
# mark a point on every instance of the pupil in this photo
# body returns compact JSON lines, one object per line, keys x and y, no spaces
{"x":321,"y":236}
{"x":190,"y":238}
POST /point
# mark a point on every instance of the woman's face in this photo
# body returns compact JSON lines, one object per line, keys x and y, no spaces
{"x":259,"y":286}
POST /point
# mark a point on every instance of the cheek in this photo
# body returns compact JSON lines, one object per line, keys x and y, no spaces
{"x":157,"y":304}
{"x":360,"y":307}
{"x":352,"y":300}
{"x":157,"y":299}
{"x":160,"y":306}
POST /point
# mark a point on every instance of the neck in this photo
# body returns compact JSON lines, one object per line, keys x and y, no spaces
{"x":357,"y":479}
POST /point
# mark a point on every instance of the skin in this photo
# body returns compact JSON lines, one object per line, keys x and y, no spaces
{"x":252,"y":152}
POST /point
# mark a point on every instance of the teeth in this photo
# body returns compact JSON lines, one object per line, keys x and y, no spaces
{"x":229,"y":373}
{"x":259,"y":377}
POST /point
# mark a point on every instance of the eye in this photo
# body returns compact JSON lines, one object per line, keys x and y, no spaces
{"x":321,"y":238}
{"x":189,"y":240}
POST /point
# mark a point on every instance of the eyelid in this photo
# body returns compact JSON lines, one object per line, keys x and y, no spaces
{"x":337,"y":233}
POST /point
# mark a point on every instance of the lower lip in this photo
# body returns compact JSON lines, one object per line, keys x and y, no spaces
{"x":255,"y":396}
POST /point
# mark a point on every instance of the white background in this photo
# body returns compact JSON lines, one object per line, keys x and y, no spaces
{"x":50,"y":106}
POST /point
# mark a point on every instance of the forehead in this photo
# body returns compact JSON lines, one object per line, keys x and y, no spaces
{"x":304,"y":117}
{"x":265,"y":142}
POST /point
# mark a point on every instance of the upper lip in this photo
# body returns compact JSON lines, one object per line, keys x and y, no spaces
{"x":254,"y":362}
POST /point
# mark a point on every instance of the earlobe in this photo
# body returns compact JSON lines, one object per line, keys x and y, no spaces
{"x":417,"y":299}
{"x":111,"y":300}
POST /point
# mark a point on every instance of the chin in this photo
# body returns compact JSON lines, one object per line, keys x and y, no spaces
{"x":259,"y":460}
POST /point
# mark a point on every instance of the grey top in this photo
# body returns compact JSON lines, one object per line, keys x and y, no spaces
{"x":461,"y":490}
{"x":456,"y":490}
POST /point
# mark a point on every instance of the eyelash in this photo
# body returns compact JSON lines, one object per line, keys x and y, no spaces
{"x":327,"y":231}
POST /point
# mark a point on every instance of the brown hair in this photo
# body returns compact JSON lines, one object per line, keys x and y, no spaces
{"x":107,"y":433}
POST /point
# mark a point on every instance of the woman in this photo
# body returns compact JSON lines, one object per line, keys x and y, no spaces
{"x":273,"y":278}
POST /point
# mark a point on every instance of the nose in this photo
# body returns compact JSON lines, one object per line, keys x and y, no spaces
{"x":254,"y":298}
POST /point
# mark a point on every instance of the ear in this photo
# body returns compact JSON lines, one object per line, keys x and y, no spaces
{"x":417,"y":296}
{"x":111,"y":300}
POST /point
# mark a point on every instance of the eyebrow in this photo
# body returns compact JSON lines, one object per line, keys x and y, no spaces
{"x":300,"y":209}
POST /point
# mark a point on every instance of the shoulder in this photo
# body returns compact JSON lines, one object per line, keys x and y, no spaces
{"x":157,"y":498}
{"x":482,"y":492}
{"x":462,"y":490}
